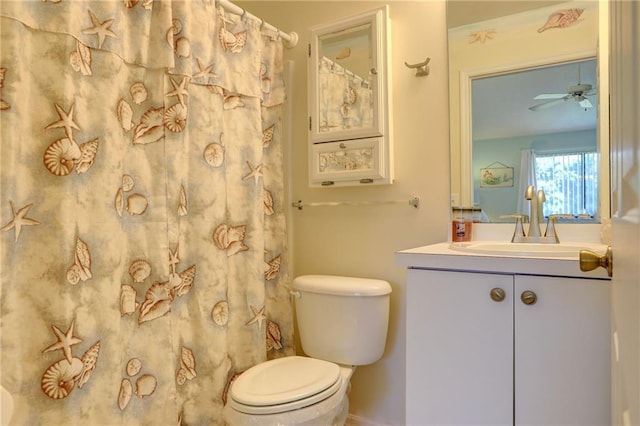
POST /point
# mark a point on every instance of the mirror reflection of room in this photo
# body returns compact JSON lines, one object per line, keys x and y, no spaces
{"x":344,"y":79}
{"x":536,"y":127}
{"x":527,"y":88}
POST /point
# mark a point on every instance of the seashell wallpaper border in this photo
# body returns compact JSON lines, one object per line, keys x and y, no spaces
{"x":142,"y":227}
{"x":485,"y":31}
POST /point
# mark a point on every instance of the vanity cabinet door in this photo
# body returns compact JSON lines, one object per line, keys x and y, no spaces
{"x":562,"y":352}
{"x":459,"y":348}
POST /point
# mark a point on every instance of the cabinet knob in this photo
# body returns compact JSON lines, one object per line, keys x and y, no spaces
{"x":497,"y":294}
{"x":528,"y":297}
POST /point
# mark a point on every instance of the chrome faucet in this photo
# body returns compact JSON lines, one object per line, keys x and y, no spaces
{"x":536,"y":206}
{"x":536,"y":202}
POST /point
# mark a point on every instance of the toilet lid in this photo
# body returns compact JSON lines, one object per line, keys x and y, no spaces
{"x":284,"y":384}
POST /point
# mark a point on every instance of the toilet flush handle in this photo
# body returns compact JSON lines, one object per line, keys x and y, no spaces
{"x":295,"y":294}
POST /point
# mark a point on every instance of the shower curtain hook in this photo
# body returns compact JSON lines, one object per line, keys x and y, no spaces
{"x":261,"y":24}
{"x":244,"y":13}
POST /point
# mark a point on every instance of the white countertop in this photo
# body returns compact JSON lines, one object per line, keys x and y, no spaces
{"x":442,"y":256}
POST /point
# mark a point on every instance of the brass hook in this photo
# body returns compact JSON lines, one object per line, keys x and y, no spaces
{"x":422,"y":69}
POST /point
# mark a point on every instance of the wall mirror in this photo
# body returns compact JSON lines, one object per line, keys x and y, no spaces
{"x":500,"y":60}
{"x":349,"y":121}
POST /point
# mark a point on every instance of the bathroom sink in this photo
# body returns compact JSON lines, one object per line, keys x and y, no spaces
{"x":527,"y":249}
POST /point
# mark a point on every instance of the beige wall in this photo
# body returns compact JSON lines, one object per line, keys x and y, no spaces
{"x":361,"y":240}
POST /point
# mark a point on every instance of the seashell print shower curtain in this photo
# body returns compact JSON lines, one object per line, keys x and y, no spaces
{"x":345,"y":98}
{"x":141,"y":209}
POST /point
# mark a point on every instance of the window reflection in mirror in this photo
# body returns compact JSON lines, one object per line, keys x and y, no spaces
{"x":536,"y":127}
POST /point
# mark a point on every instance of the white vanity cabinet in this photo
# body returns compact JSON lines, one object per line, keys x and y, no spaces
{"x":477,"y":354}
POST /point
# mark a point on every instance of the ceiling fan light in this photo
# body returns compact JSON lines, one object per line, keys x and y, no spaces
{"x":586,"y":103}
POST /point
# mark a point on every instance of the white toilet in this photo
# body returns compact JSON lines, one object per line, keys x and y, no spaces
{"x":342,"y":323}
{"x":6,"y":406}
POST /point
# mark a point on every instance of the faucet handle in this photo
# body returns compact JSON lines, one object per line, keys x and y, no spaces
{"x":519,"y":230}
{"x":542,"y":197}
{"x":551,"y":228}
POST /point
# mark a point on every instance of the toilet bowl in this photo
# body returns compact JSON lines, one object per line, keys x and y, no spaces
{"x":342,"y":323}
{"x":293,"y":390}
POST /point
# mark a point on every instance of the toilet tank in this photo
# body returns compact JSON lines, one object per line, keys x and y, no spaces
{"x":342,"y":319}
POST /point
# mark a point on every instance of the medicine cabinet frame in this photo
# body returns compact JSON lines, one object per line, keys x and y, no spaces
{"x":350,"y":141}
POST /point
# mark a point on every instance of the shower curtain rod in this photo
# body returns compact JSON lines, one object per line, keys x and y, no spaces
{"x":290,"y":38}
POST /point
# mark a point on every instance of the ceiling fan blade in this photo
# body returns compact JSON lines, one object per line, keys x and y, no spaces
{"x":548,"y":104}
{"x":550,"y":96}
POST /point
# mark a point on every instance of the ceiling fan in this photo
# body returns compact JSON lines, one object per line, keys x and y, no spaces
{"x":578,"y":93}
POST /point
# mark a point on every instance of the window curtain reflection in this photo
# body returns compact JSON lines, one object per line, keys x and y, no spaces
{"x":527,"y":177}
{"x":143,"y":239}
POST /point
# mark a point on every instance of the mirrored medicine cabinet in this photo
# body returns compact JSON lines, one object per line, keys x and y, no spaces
{"x":502,"y":56}
{"x":348,"y":88}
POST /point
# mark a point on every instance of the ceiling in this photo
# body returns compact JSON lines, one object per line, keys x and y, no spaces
{"x":463,"y":12}
{"x":500,"y":104}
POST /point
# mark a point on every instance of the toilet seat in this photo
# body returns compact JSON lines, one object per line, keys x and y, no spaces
{"x":284,"y":384}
